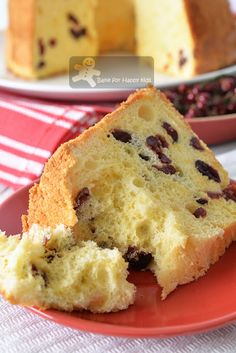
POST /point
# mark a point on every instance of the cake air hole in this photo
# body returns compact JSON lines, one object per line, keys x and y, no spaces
{"x":90,"y":164}
{"x":143,"y":229}
{"x":138,"y":182}
{"x":146,"y":113}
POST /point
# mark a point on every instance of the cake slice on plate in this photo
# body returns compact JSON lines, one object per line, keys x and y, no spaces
{"x":142,"y":182}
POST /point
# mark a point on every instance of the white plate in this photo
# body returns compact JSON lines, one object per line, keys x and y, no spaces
{"x":58,"y":87}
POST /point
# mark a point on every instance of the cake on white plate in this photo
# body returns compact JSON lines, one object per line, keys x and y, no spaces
{"x":185,"y":37}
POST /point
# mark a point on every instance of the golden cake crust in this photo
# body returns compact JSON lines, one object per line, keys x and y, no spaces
{"x":19,"y":53}
{"x":215,"y":45}
{"x":196,"y":258}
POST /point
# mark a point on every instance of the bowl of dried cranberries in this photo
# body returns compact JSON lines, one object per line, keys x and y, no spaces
{"x":209,"y":107}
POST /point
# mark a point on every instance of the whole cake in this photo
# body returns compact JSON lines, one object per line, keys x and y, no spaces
{"x":142,"y":182}
{"x":185,"y":37}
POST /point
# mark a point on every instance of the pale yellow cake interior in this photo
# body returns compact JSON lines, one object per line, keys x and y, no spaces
{"x":48,"y":269}
{"x":60,"y":29}
{"x":168,"y":39}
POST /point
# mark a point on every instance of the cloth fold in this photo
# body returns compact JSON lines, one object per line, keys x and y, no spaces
{"x":31,"y":130}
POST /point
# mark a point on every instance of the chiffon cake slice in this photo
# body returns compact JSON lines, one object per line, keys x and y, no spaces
{"x":141,"y":181}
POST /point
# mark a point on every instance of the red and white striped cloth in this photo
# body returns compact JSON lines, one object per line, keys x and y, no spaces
{"x":31,"y":130}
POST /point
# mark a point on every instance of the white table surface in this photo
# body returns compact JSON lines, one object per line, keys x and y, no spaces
{"x":21,"y":331}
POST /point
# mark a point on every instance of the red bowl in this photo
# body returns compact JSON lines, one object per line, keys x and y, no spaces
{"x":215,"y":129}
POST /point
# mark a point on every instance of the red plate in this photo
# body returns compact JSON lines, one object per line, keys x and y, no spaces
{"x":202,"y":305}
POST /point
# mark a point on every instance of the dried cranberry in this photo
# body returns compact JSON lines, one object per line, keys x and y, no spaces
{"x":182,"y":58}
{"x":202,"y":201}
{"x":145,"y":158}
{"x":34,"y":270}
{"x":191,"y":97}
{"x":52,"y":42}
{"x":200,"y":212}
{"x":77,"y":33}
{"x":163,"y":141}
{"x":230,"y":193}
{"x":231,"y":107}
{"x":182,"y":88}
{"x":41,"y":47}
{"x":41,"y":64}
{"x":154,"y":143}
{"x":196,"y":89}
{"x":93,"y":229}
{"x":38,"y":272}
{"x":82,"y":197}
{"x":214,"y":195}
{"x":167,"y":169}
{"x":192,"y":112}
{"x":206,"y":170}
{"x":227,"y":84}
{"x":138,"y":260}
{"x":206,"y":99}
{"x":45,"y":278}
{"x":121,"y":135}
{"x":212,"y":86}
{"x":72,"y":18}
{"x":50,"y":258}
{"x":164,"y":159}
{"x":195,"y":143}
{"x":170,"y":131}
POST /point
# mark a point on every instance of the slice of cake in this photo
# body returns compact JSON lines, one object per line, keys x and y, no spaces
{"x":186,"y":37}
{"x":141,"y":181}
{"x":48,"y":269}
{"x":43,"y":35}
